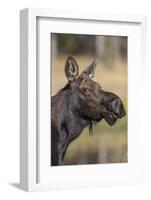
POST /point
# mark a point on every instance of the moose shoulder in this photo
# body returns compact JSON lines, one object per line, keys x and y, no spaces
{"x":80,"y":103}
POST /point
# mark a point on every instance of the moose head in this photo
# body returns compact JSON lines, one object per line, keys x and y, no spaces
{"x":80,"y":103}
{"x":91,"y":101}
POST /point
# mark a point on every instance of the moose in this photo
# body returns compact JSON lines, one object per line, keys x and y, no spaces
{"x":79,"y":104}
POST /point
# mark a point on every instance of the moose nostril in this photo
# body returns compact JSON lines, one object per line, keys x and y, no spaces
{"x":115,"y":106}
{"x":118,"y":108}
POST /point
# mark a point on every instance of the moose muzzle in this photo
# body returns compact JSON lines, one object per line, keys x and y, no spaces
{"x":113,"y":108}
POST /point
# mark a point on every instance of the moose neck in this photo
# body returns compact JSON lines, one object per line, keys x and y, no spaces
{"x":67,"y":103}
{"x":78,"y":123}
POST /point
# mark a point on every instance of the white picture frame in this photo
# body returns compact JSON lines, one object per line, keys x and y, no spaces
{"x":34,"y":172}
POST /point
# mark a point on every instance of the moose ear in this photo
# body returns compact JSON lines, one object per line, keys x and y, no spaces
{"x":71,"y":69}
{"x":90,"y":69}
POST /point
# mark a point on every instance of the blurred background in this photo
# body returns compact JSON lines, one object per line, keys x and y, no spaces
{"x":108,"y":143}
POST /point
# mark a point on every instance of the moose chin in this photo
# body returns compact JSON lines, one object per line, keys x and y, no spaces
{"x":79,"y":104}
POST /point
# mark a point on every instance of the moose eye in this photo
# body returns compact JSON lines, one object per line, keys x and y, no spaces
{"x":85,"y":89}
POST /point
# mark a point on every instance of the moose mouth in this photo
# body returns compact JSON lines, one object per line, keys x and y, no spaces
{"x":110,"y":118}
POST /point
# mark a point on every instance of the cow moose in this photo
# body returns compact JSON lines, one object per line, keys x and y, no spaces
{"x":79,"y":104}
